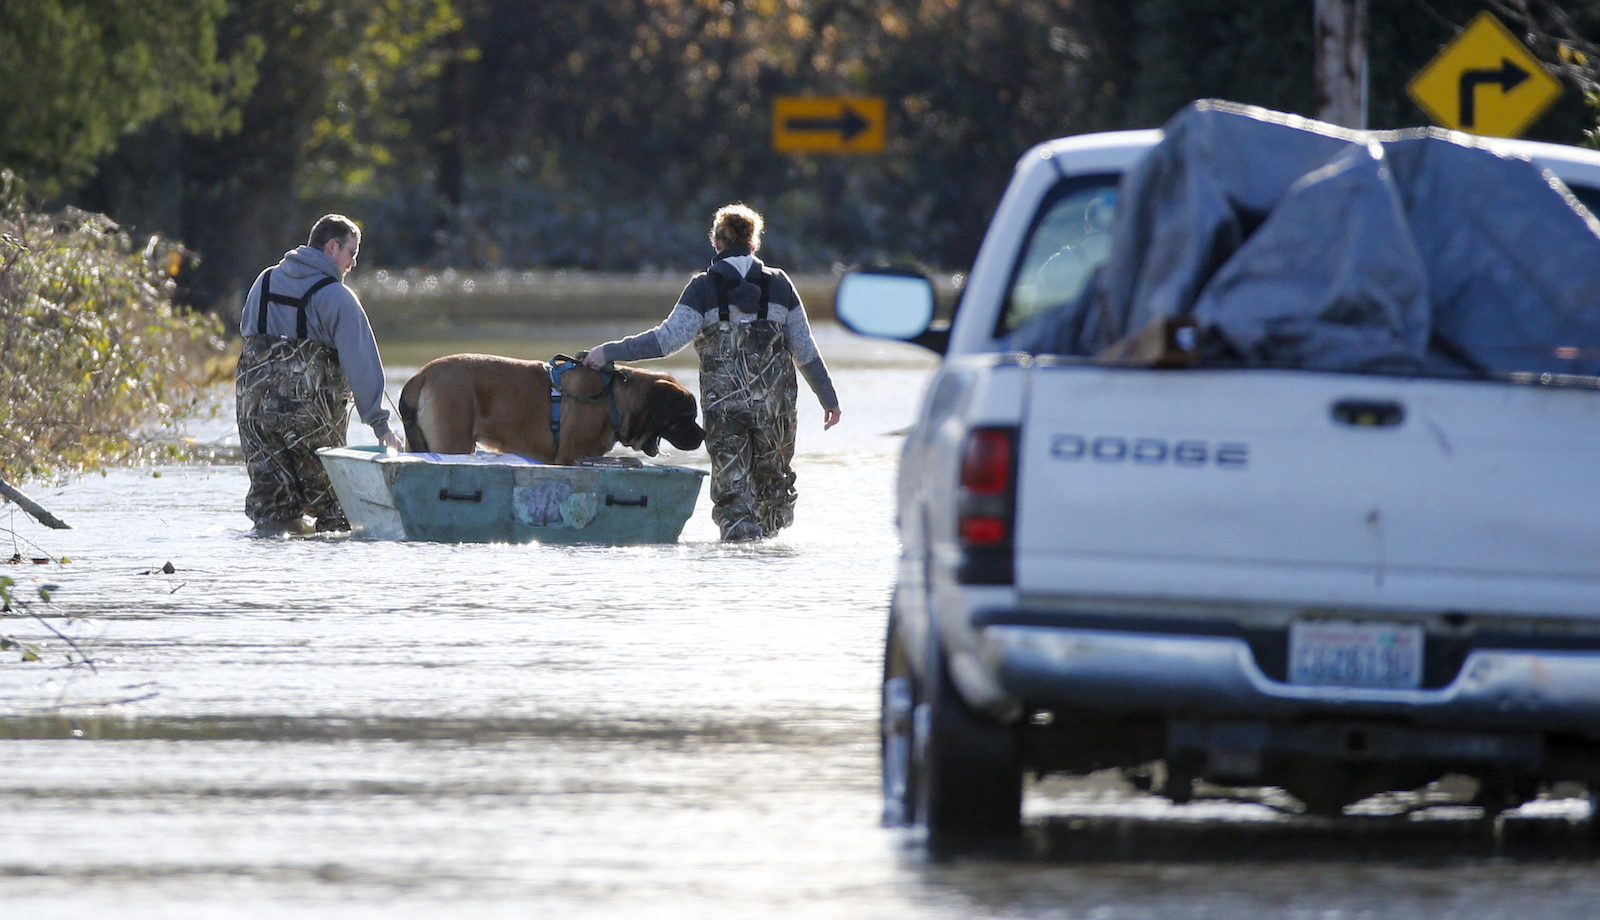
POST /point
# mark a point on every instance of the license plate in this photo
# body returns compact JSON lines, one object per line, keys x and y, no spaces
{"x":1344,"y":653}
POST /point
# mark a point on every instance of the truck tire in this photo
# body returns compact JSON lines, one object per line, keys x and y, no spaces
{"x":966,"y":768}
{"x":895,"y":737}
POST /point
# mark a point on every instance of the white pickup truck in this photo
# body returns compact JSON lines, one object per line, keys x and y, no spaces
{"x":1228,"y":571}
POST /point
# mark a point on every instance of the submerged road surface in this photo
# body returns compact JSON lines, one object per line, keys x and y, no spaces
{"x":326,"y":728}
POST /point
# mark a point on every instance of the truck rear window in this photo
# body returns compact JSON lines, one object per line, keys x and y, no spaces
{"x":1069,"y":239}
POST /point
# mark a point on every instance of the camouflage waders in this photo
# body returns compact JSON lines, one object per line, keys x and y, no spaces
{"x":747,"y":393}
{"x":292,"y":399}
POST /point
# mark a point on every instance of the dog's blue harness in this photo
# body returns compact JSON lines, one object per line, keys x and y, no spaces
{"x":559,"y":365}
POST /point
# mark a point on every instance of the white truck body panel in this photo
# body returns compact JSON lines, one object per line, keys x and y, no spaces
{"x":1474,"y":502}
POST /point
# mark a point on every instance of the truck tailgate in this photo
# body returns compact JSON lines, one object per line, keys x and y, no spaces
{"x":1296,"y":488}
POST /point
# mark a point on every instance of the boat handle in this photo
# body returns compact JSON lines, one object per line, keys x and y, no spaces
{"x":445,"y":495}
{"x":642,"y":501}
{"x":1369,"y":413}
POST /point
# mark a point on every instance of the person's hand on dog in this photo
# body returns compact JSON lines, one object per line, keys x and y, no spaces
{"x":596,"y":358}
{"x":830,"y":418}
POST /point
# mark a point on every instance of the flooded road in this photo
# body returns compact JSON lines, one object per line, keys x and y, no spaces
{"x":328,"y":728}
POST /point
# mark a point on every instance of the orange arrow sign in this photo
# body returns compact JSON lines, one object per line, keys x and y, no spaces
{"x":828,"y":124}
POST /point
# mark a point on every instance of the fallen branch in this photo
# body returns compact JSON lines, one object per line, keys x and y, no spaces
{"x":33,"y":508}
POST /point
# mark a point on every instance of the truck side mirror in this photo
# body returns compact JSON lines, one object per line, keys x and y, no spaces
{"x":889,"y":303}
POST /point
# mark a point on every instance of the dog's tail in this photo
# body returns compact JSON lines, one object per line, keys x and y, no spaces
{"x":415,"y":442}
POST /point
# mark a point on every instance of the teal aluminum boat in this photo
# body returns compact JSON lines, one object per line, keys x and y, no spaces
{"x":503,"y":498}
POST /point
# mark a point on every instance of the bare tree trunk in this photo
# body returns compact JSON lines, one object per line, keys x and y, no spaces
{"x":1341,"y":35}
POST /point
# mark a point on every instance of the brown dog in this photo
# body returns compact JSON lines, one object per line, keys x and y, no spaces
{"x":460,"y":401}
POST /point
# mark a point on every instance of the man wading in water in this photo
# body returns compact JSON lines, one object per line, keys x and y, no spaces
{"x":749,"y":329}
{"x":303,"y":355}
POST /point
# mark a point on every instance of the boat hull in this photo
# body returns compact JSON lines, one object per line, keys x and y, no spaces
{"x":489,"y":498}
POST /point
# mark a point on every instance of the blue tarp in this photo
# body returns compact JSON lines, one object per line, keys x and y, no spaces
{"x":1294,"y":243}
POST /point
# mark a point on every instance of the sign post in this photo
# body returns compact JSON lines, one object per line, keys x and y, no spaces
{"x":827,"y":124}
{"x":1485,"y":82}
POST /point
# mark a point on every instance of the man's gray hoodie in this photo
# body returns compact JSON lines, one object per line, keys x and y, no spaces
{"x":333,"y":318}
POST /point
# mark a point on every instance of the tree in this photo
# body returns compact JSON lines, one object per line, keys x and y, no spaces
{"x":78,"y":75}
{"x":603,"y":133}
{"x":339,"y":86}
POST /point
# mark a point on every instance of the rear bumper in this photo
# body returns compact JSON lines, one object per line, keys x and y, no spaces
{"x":1217,"y":677}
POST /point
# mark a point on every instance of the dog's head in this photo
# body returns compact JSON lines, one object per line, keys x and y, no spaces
{"x":663,"y":409}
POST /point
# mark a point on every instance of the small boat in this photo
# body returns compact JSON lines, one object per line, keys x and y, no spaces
{"x":503,"y":498}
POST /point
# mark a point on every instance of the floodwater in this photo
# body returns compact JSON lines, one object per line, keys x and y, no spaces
{"x":327,"y":728}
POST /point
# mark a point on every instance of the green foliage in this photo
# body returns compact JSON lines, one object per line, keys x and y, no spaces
{"x":370,"y":64}
{"x":972,"y":85}
{"x":602,"y":134}
{"x":91,"y":349}
{"x":26,"y":651}
{"x":76,"y":76}
{"x":1256,"y":51}
{"x":511,"y":134}
{"x":341,"y":97}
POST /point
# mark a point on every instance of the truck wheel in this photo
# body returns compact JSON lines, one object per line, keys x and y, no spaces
{"x":894,"y":734}
{"x":966,"y":768}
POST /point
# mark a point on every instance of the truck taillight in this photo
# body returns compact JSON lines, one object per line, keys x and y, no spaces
{"x":983,"y":530}
{"x":986,"y":462}
{"x":987,"y":507}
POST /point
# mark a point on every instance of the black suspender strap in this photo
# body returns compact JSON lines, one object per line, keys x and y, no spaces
{"x":766,"y":286}
{"x":261,"y":308}
{"x":723,"y":286}
{"x":300,"y":321}
{"x":299,"y":303}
